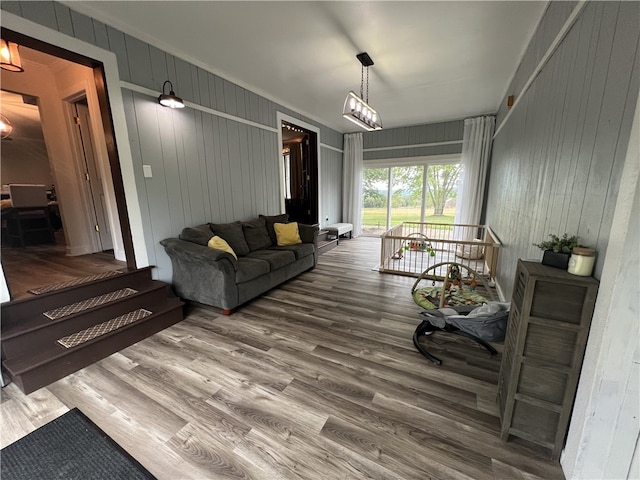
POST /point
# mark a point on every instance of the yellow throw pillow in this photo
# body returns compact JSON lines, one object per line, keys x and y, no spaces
{"x":220,"y":243}
{"x":287,"y":233}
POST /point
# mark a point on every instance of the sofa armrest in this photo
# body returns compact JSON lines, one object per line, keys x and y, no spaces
{"x":202,"y":274}
{"x":185,"y":251}
{"x":308,"y":233}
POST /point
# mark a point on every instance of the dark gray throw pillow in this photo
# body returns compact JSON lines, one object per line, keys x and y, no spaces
{"x":256,"y":234}
{"x":200,"y":234}
{"x":269,"y":220}
{"x":234,"y":236}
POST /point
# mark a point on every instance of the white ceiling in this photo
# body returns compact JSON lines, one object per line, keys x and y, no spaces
{"x":25,"y":117}
{"x":434,"y":61}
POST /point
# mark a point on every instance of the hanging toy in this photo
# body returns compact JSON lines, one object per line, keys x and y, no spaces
{"x":454,"y":274}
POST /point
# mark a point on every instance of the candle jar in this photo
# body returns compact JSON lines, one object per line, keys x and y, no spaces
{"x":582,"y":261}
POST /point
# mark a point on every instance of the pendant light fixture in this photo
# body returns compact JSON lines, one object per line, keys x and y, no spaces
{"x":170,"y":100}
{"x":5,"y":127}
{"x":356,"y":108}
{"x":10,"y":57}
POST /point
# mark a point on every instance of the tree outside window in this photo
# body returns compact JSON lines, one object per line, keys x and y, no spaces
{"x":442,"y":185}
{"x":392,"y":195}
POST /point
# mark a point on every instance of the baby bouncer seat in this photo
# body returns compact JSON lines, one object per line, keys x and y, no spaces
{"x":456,"y":307}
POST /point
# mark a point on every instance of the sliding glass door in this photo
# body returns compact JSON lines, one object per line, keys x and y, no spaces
{"x":414,"y":193}
{"x":406,"y":194}
{"x":375,"y":197}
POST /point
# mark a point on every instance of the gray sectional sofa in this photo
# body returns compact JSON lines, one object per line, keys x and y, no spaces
{"x":214,"y":277}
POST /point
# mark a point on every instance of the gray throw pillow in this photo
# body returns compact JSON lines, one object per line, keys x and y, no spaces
{"x":200,"y":234}
{"x":256,"y":234}
{"x":232,"y":233}
{"x":270,"y":220}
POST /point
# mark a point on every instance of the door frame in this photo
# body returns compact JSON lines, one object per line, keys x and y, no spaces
{"x":107,"y":82}
{"x":283,"y":117}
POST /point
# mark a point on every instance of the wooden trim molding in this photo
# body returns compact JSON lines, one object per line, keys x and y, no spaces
{"x":543,"y":61}
{"x":415,"y":145}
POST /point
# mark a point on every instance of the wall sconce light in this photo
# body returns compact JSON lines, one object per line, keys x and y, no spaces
{"x":10,"y":57}
{"x":170,"y":100}
{"x":356,"y":108}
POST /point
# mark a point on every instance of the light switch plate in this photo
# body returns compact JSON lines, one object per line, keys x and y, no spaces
{"x":146,"y":170}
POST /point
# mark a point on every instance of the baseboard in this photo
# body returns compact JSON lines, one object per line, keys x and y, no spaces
{"x":76,"y":251}
{"x":86,"y":250}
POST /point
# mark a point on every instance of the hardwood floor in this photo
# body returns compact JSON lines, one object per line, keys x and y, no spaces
{"x":39,"y":265}
{"x":317,"y":379}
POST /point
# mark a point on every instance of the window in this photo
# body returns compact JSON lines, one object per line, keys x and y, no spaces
{"x":408,"y":193}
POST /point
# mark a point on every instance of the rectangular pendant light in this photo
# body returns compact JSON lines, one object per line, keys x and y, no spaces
{"x":361,"y":113}
{"x":356,"y":108}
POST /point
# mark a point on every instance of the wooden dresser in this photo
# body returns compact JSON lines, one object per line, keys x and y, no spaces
{"x":547,"y":332}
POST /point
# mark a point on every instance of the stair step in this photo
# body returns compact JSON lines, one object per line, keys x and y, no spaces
{"x":83,"y":305}
{"x":37,"y":331}
{"x":72,"y":283}
{"x":18,"y":311}
{"x":33,"y":371}
{"x":55,"y":333}
{"x":103,"y":328}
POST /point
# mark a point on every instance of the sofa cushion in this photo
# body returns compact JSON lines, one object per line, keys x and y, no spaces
{"x":300,"y":250}
{"x":256,"y":234}
{"x":250,"y":268}
{"x":200,"y":234}
{"x":270,"y":220}
{"x":276,"y":258}
{"x":287,"y":234}
{"x":220,"y":244}
{"x":232,"y":233}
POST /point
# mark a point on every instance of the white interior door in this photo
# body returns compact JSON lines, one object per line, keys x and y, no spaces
{"x":92,"y":175}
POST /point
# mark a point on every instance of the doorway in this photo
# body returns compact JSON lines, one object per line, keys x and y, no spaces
{"x":299,"y":167}
{"x":102,"y":214}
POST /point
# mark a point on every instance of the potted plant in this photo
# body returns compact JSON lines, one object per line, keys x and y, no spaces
{"x":557,"y":251}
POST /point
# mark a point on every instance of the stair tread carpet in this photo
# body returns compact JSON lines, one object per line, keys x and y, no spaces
{"x":72,"y":283}
{"x":88,"y":303}
{"x":103,"y":328}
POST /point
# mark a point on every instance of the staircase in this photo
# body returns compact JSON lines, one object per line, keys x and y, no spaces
{"x":49,"y":336}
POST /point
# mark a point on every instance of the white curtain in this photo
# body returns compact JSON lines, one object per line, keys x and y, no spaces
{"x":476,"y":153}
{"x":352,"y":181}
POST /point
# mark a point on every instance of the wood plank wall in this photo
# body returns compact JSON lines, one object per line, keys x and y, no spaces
{"x":399,"y":143}
{"x":550,"y":24}
{"x":206,"y":168}
{"x":557,"y":160}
